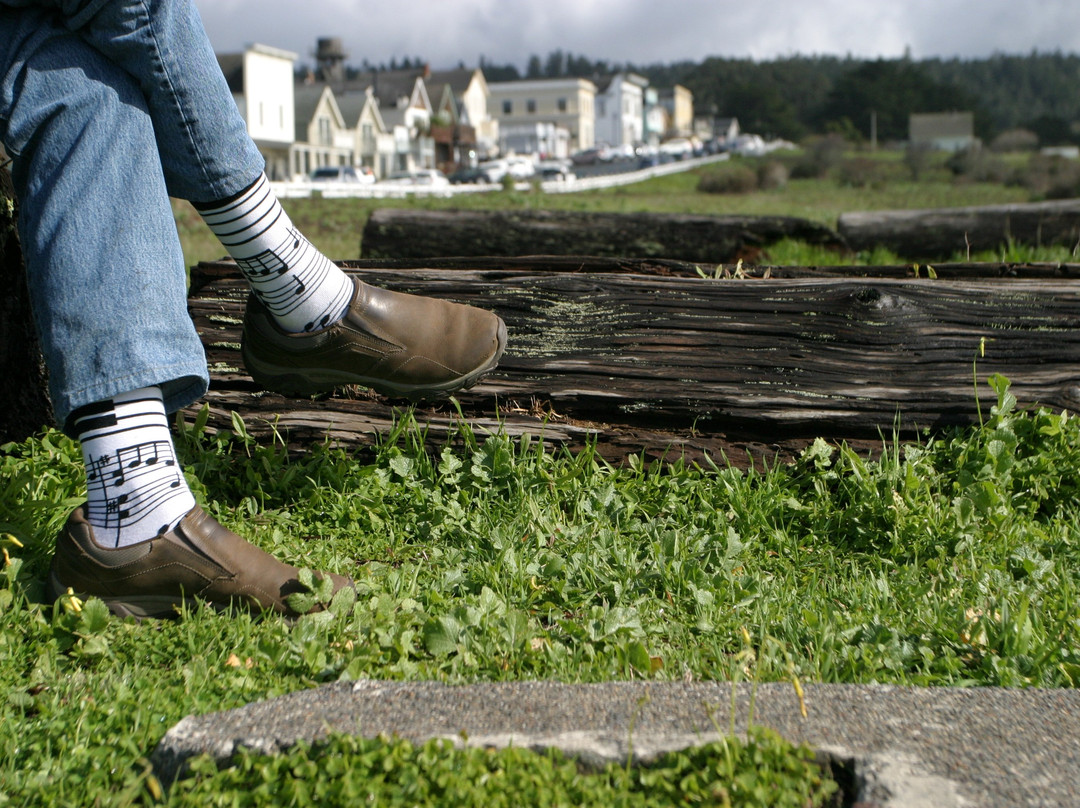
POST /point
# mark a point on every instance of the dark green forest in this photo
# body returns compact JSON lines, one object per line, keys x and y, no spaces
{"x":799,"y":96}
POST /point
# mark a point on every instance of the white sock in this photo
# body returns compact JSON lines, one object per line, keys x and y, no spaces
{"x":302,"y":288}
{"x":135,"y":489}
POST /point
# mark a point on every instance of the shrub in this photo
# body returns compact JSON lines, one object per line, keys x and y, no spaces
{"x":739,"y":179}
{"x":917,"y":158}
{"x":859,"y":172}
{"x":1014,"y":140}
{"x":820,"y":157}
{"x":772,"y":175}
{"x":1049,"y":177}
{"x":977,"y":166}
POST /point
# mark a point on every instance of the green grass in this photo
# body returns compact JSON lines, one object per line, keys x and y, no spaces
{"x":955,"y":561}
{"x":764,"y":770}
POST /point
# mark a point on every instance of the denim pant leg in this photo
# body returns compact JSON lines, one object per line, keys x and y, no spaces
{"x":104,"y":264}
{"x":206,"y":152}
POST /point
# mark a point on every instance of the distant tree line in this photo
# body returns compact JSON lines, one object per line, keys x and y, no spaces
{"x":798,"y":96}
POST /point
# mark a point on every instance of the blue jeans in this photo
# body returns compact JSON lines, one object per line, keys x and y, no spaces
{"x":107,"y":108}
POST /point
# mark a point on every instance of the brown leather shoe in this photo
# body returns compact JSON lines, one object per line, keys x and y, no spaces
{"x":397,"y":344}
{"x":198,"y":560}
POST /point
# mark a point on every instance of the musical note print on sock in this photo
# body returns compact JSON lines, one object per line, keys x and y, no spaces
{"x":287,"y":277}
{"x":128,"y":485}
{"x":302,"y":288}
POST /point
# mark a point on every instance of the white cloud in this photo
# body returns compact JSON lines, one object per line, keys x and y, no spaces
{"x":446,"y":32}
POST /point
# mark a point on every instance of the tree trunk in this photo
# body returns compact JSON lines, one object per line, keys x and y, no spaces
{"x":24,"y":398}
{"x":937,"y":234}
{"x":394,"y":233}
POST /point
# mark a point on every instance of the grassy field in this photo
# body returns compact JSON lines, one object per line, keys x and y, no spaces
{"x":953,"y":561}
{"x":336,"y":225}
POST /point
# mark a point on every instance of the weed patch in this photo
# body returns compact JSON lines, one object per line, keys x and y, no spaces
{"x":763,"y":770}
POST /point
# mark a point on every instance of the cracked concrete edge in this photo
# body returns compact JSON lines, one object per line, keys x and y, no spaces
{"x":899,"y":779}
{"x":881,"y":780}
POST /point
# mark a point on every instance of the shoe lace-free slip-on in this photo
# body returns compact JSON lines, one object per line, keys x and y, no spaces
{"x":198,"y":560}
{"x":398,"y":344}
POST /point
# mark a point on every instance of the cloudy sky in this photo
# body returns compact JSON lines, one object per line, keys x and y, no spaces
{"x":446,"y":32}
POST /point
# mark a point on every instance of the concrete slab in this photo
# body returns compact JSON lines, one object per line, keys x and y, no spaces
{"x":902,"y":747}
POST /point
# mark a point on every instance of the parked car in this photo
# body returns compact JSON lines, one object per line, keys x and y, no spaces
{"x":679,"y":148}
{"x":648,"y":156}
{"x":556,"y":171}
{"x":469,"y":175}
{"x":521,"y":168}
{"x":585,"y":157}
{"x":622,"y":151}
{"x":363,"y":175}
{"x":431,"y":177}
{"x":495,"y":169}
{"x":749,"y":145}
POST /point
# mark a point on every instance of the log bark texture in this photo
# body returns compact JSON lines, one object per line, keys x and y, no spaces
{"x":673,"y":364}
{"x":402,"y":234}
{"x":937,"y":234}
{"x":24,"y":397}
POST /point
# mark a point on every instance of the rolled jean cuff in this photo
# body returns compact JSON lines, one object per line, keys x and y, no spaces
{"x":180,"y":385}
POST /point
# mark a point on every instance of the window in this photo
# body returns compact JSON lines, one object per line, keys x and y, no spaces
{"x":325,"y":136}
{"x":508,"y":107}
{"x":562,"y":104}
{"x":530,"y":106}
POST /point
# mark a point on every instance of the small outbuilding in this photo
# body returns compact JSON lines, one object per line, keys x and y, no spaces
{"x":944,"y":131}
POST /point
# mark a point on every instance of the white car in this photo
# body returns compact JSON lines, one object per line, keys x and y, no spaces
{"x":679,"y":148}
{"x":521,"y":168}
{"x":430,"y":177}
{"x":622,"y":151}
{"x":495,"y":170}
{"x":556,"y":170}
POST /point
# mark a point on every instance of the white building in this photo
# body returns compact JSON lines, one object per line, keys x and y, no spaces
{"x":620,"y":109}
{"x":323,"y":138}
{"x":655,"y":117}
{"x":374,"y":145}
{"x":261,"y":81}
{"x":568,"y":103}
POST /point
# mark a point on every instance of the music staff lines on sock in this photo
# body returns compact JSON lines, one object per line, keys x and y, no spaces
{"x":135,"y":488}
{"x":302,"y":288}
{"x":246,"y":218}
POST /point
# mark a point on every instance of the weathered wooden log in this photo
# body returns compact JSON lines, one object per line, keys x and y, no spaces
{"x":210,"y":271}
{"x":24,"y":398}
{"x":669,"y":363}
{"x":403,"y":233}
{"x":938,"y":234}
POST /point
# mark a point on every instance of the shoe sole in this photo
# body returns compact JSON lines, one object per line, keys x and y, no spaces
{"x":144,"y":607}
{"x":313,"y":381}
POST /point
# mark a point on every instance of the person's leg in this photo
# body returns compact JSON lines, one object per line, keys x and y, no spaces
{"x":108,"y":293}
{"x":104,"y":266}
{"x":209,"y":159}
